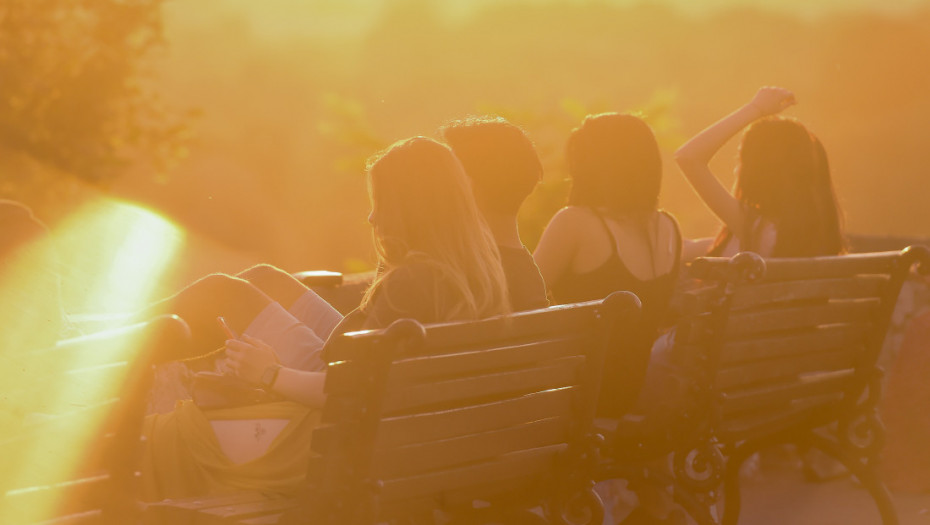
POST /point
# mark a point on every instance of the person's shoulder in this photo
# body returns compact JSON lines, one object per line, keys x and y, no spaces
{"x":577,"y":213}
{"x":571,"y":217}
{"x":412,"y":278}
{"x":668,"y":223}
{"x":408,"y":291}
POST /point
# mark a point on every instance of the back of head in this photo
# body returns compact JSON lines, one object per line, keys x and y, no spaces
{"x":498,"y":157}
{"x":783,"y":179}
{"x":615,"y":163}
{"x":425,"y":212}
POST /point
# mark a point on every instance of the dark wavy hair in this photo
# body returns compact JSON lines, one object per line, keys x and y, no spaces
{"x":615,"y":163}
{"x":498,"y":157}
{"x":783,"y":177}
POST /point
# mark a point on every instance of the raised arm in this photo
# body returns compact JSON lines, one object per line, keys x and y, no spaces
{"x":694,"y":156}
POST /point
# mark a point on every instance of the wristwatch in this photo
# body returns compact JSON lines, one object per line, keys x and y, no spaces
{"x":269,"y":376}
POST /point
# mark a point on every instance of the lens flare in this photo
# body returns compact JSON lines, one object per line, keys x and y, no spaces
{"x":112,"y":257}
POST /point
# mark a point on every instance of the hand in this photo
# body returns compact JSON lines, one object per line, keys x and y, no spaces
{"x":249,"y":357}
{"x":771,"y":100}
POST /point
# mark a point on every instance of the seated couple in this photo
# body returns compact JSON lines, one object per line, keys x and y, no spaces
{"x":448,"y":250}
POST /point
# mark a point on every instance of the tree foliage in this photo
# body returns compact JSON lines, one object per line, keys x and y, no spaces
{"x":72,"y":90}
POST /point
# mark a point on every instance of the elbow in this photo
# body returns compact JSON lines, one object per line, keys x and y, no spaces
{"x":688,"y":160}
{"x":682,"y":157}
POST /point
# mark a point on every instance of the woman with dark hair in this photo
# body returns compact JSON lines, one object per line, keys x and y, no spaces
{"x":612,"y":236}
{"x":504,"y":168}
{"x":438,"y":261}
{"x":783,"y":204}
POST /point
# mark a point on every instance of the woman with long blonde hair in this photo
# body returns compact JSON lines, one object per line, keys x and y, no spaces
{"x":437,"y":262}
{"x":424,"y":219}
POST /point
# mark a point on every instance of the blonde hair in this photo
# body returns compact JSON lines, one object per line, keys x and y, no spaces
{"x":426,"y":214}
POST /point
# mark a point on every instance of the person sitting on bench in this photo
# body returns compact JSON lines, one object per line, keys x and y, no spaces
{"x":438,"y":261}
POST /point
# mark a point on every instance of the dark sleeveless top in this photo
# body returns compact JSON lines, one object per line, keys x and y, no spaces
{"x":625,"y":368}
{"x":524,"y":282}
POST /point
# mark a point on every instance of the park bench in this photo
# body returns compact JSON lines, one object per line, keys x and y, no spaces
{"x":771,"y":352}
{"x":342,"y":292}
{"x":69,"y":450}
{"x":477,"y":421}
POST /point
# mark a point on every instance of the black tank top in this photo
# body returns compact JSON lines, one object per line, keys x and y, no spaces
{"x":613,"y":275}
{"x":625,"y":368}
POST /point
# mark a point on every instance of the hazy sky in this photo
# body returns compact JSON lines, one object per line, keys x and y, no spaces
{"x":285,"y":18}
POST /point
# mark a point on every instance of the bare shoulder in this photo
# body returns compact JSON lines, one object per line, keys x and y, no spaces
{"x":571,"y":217}
{"x":668,"y":224}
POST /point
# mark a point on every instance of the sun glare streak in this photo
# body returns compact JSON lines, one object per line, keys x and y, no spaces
{"x":114,"y":254}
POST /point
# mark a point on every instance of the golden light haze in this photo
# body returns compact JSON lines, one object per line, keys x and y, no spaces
{"x":294,"y":96}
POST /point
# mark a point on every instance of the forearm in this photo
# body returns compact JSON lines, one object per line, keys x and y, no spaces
{"x":693,"y":158}
{"x":703,"y":146}
{"x":300,"y":385}
{"x":693,"y":248}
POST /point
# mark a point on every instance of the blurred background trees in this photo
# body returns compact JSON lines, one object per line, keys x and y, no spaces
{"x":294,"y":96}
{"x":74,"y":92}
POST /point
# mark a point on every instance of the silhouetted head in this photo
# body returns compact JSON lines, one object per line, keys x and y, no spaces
{"x":423,"y":210}
{"x":783,"y":177}
{"x":776,"y":160}
{"x":498,"y":157}
{"x":615,"y":163}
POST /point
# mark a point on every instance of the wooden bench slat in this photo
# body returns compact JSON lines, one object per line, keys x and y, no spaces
{"x":795,"y":268}
{"x":238,"y":507}
{"x":818,"y":339}
{"x":397,"y":431}
{"x":77,"y":447}
{"x":487,"y":387}
{"x":404,"y":430}
{"x":514,"y":491}
{"x":555,"y":322}
{"x":426,"y":456}
{"x":776,"y":370}
{"x":698,"y":300}
{"x":694,"y":330}
{"x":75,"y":496}
{"x":210,"y":502}
{"x":779,"y":395}
{"x":239,"y":511}
{"x":831,"y":288}
{"x":787,"y":268}
{"x":477,"y":360}
{"x":270,"y":519}
{"x":742,"y":324}
{"x":516,"y":465}
{"x":807,"y":413}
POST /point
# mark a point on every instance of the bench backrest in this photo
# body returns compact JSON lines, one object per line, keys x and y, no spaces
{"x":792,"y":341}
{"x":420,"y":418}
{"x":72,"y":455}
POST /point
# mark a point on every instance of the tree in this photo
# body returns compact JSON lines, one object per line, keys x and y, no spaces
{"x":72,"y":92}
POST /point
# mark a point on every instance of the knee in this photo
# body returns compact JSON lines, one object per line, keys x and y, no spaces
{"x":263,"y":273}
{"x":274,"y":282}
{"x":225,"y":287}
